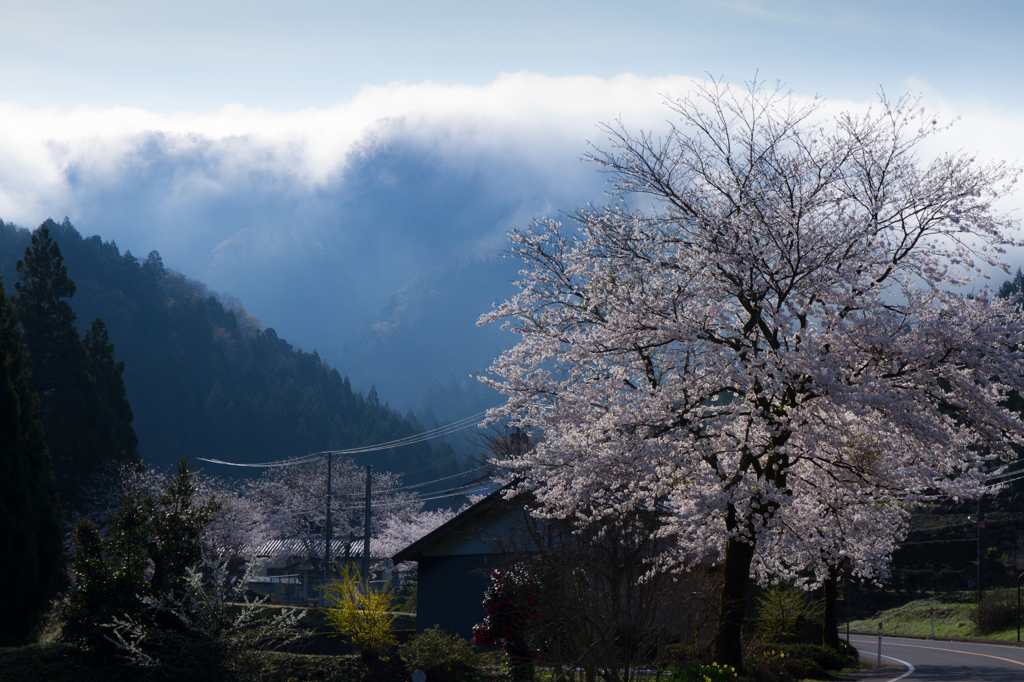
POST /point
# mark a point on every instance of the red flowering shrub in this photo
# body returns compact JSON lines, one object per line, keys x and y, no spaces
{"x":511,"y":606}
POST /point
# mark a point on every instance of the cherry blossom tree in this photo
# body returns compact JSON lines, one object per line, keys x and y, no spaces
{"x":239,"y":525}
{"x":406,"y":526}
{"x":293,"y":501}
{"x":777,"y":350}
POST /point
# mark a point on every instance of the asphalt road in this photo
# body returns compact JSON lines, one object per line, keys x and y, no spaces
{"x":918,"y":660}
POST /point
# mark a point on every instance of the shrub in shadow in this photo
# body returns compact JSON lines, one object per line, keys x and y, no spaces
{"x":997,"y":610}
{"x":442,"y":656}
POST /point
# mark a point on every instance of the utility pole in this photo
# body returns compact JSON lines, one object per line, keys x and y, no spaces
{"x":366,"y":533}
{"x":981,"y":546}
{"x":327,"y":527}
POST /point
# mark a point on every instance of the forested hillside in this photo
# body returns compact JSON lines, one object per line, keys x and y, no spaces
{"x":204,"y":379}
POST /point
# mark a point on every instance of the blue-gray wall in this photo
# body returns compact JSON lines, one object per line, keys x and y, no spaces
{"x":451,"y":591}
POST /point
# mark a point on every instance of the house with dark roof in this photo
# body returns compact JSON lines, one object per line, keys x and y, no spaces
{"x":455,"y":561}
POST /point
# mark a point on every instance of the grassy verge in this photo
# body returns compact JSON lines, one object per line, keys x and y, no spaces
{"x":58,"y":662}
{"x":62,"y":662}
{"x":952,"y":619}
{"x":65,"y":663}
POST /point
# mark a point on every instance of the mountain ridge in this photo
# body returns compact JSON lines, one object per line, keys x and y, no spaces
{"x":205,"y":379}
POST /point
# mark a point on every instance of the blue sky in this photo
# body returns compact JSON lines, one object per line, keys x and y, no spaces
{"x":198,"y":56}
{"x":358,"y":150}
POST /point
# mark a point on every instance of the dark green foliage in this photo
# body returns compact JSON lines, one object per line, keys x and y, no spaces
{"x":682,"y":654}
{"x":110,"y":386}
{"x":67,"y":663}
{"x":824,"y":657}
{"x":441,"y":655}
{"x":111,"y":571}
{"x":777,"y":666}
{"x":31,"y":555}
{"x":61,"y":662}
{"x":1013,"y":288}
{"x":83,"y":432}
{"x":702,"y":672}
{"x":998,"y":610}
{"x":205,"y":379}
{"x":785,"y":610}
{"x":109,"y":579}
{"x":794,"y":662}
{"x":849,"y":653}
{"x":46,"y":316}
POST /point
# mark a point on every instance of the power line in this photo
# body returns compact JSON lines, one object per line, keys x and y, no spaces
{"x":1018,"y":476}
{"x":441,"y":494}
{"x":436,"y":480}
{"x":304,"y":459}
{"x":401,"y":442}
{"x":433,"y":465}
{"x":411,"y":440}
{"x":1005,"y":474}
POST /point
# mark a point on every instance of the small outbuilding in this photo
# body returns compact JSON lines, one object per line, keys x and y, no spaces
{"x":455,"y":561}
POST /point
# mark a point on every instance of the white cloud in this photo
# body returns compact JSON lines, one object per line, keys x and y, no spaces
{"x":524,"y":112}
{"x":55,"y":162}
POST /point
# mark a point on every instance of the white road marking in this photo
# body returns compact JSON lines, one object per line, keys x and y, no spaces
{"x":910,"y":668}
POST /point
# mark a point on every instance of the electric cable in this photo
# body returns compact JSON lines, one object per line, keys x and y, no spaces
{"x":467,"y":490}
{"x":401,"y":442}
{"x":433,"y":465}
{"x":1005,"y":474}
{"x":1019,"y":476}
{"x":459,"y":425}
{"x":436,"y":480}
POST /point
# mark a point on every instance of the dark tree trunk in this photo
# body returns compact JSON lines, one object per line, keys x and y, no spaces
{"x":830,"y":631}
{"x":728,"y":646}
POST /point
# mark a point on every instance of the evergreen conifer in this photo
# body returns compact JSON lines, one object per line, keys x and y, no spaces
{"x":31,"y":553}
{"x":84,"y":431}
{"x":110,"y":385}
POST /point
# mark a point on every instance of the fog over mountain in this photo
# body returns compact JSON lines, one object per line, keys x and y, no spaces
{"x":381,"y":262}
{"x":371,"y":231}
{"x":394,"y":257}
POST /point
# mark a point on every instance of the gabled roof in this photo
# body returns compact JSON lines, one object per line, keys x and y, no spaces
{"x":413,"y":551}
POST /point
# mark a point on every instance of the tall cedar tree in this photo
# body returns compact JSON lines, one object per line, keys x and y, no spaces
{"x":31,"y":555}
{"x":84,"y":431}
{"x":110,"y":384}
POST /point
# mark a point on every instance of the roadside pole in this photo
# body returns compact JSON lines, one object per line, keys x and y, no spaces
{"x":366,"y":533}
{"x":932,"y":610}
{"x":847,"y":569}
{"x":1019,"y":562}
{"x":1019,"y":606}
{"x":847,"y":608}
{"x":981,"y":547}
{"x":327,"y":538}
{"x":879,"y":645}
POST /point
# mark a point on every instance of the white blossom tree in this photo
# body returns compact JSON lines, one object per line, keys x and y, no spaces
{"x":402,"y":529}
{"x":776,"y":350}
{"x":239,"y":525}
{"x":293,"y":501}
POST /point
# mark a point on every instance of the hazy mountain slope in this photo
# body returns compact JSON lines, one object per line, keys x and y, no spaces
{"x":205,"y":380}
{"x":427,"y":336}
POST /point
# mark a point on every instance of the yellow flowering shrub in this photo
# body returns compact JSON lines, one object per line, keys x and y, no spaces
{"x":361,"y":614}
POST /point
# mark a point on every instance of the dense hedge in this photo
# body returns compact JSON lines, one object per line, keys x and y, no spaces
{"x":936,"y":553}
